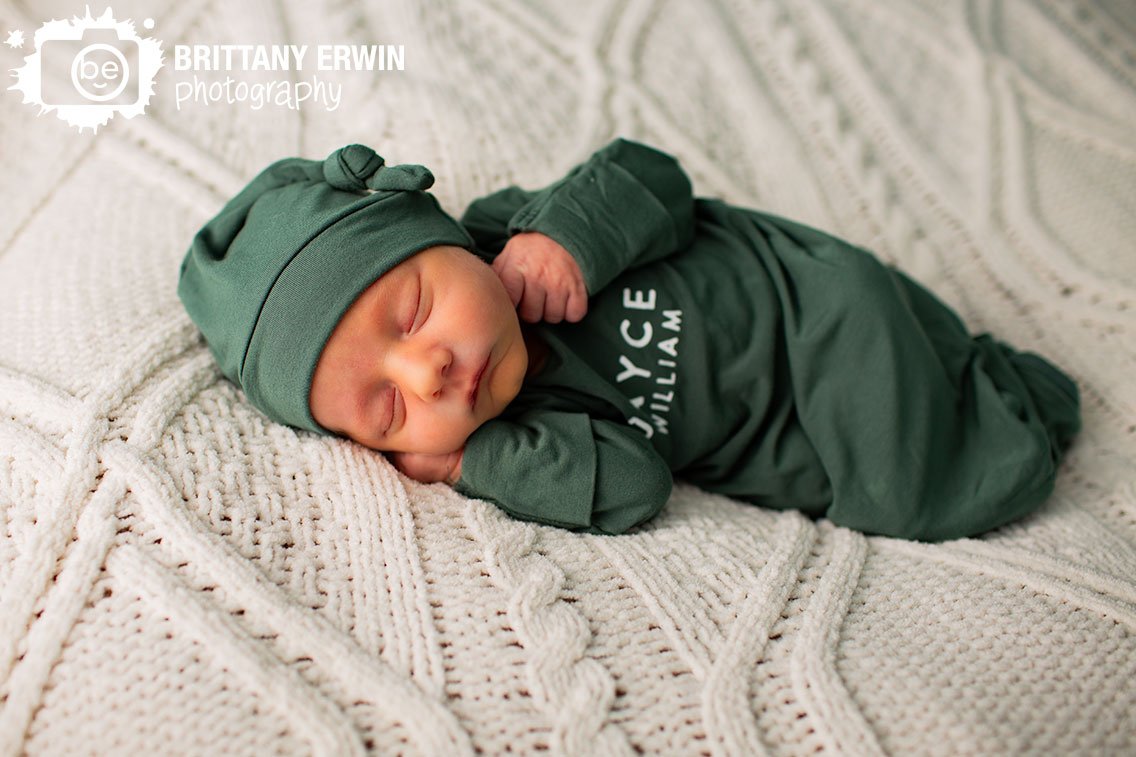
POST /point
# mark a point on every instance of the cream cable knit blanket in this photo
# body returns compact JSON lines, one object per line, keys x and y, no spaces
{"x":179,"y":575}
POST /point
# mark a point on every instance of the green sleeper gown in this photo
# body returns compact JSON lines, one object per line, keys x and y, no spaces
{"x":757,"y":358}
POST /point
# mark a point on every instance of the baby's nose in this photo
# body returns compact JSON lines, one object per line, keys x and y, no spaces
{"x":432,"y":374}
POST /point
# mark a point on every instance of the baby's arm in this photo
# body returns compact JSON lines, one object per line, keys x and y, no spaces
{"x":566,"y":469}
{"x":627,"y":205}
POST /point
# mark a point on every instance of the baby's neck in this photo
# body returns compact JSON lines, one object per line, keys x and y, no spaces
{"x":537,"y":349}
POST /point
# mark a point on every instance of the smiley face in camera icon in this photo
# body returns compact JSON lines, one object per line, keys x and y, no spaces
{"x":101,"y":68}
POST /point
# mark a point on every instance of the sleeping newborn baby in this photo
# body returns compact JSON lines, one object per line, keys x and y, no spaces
{"x":567,"y":353}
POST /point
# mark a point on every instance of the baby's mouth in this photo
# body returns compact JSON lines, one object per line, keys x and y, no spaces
{"x":477,"y":384}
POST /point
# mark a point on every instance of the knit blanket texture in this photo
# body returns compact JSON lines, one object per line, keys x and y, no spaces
{"x":180,"y":575}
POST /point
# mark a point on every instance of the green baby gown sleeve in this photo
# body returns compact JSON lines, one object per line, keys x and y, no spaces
{"x":627,"y":205}
{"x":566,"y":469}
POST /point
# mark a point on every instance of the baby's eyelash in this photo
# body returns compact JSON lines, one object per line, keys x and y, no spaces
{"x":393,"y":405}
{"x":414,"y":313}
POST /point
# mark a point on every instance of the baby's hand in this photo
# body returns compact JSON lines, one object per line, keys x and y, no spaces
{"x":542,"y":278}
{"x":429,"y":469}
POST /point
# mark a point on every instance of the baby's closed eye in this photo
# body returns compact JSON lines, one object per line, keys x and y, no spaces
{"x":415,"y":309}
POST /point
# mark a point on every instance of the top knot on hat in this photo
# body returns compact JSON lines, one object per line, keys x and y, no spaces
{"x":356,"y":168}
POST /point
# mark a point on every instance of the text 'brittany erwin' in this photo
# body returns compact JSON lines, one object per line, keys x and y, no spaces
{"x":289,"y":58}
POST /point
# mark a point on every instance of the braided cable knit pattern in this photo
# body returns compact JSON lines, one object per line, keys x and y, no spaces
{"x":573,"y":692}
{"x":178,"y":574}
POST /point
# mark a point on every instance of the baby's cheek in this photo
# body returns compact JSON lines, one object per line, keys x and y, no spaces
{"x":368,"y":443}
{"x":437,"y":436}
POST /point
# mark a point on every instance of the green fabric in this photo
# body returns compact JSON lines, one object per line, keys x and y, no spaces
{"x":757,"y":358}
{"x":268,"y":278}
{"x":568,"y":469}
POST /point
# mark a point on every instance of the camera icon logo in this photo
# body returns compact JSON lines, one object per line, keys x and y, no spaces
{"x":99,"y":69}
{"x":87,"y":70}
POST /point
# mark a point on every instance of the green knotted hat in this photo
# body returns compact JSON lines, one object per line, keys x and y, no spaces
{"x":268,"y":278}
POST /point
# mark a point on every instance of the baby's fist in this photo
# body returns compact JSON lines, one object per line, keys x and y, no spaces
{"x":429,"y":469}
{"x":542,"y":278}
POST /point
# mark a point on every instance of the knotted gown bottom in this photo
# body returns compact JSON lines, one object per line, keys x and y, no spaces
{"x":923,"y":431}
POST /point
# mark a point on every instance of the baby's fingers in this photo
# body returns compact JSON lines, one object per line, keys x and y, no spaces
{"x":568,"y":302}
{"x":577,"y":305}
{"x":513,"y":280}
{"x":532,"y":303}
{"x":555,"y":304}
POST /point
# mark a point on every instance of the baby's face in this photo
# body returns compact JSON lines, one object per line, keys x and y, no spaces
{"x":397,"y":373}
